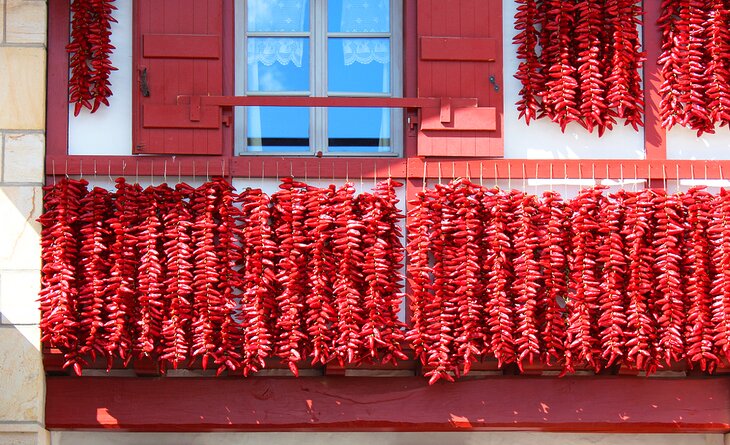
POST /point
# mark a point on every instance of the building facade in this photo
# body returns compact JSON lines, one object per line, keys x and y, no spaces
{"x":41,"y":139}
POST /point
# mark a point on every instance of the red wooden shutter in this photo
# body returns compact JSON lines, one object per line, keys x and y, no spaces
{"x":460,"y":62}
{"x":178,"y":56}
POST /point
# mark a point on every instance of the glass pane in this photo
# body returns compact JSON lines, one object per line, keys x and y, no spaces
{"x":278,"y":64}
{"x":359,"y":130}
{"x":278,"y":129}
{"x":358,"y":15}
{"x":278,"y":15}
{"x":358,"y":65}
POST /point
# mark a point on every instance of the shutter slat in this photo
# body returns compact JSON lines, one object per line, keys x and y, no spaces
{"x":458,"y":49}
{"x":184,"y":46}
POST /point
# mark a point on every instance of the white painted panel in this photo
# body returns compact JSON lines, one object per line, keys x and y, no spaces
{"x":683,"y":143}
{"x":108,"y":131}
{"x":543,"y":139}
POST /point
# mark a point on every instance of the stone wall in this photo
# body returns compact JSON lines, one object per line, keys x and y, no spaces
{"x":22,"y":146}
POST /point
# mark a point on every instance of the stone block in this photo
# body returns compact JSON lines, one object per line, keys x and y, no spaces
{"x":25,"y":21}
{"x":24,"y":154}
{"x":21,"y":388}
{"x":2,"y":20}
{"x":20,"y":244}
{"x":18,"y":438}
{"x":22,"y":87}
{"x":18,"y":296}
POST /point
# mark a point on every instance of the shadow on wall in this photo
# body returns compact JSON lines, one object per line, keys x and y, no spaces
{"x":22,"y":384}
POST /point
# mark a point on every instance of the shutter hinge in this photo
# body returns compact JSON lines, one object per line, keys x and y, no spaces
{"x":226,"y":121}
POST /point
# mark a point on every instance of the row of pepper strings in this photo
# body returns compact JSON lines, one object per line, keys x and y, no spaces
{"x":580,"y":61}
{"x":204,"y":274}
{"x":87,"y":311}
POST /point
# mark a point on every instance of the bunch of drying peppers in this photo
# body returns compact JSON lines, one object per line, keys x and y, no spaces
{"x":230,"y":280}
{"x":695,"y":64}
{"x":90,"y":49}
{"x":635,"y":279}
{"x":204,"y":275}
{"x":580,"y":62}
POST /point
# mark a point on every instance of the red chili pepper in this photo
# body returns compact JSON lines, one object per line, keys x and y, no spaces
{"x":178,"y":250}
{"x":382,"y":330}
{"x":640,"y":331}
{"x":584,"y":288}
{"x":90,"y":51}
{"x":320,"y":313}
{"x":124,"y":259}
{"x":94,"y":269}
{"x":288,"y":219}
{"x":60,"y":320}
{"x":670,"y":306}
{"x":698,"y":282}
{"x":554,"y":246}
{"x":259,"y":280}
{"x":227,"y":233}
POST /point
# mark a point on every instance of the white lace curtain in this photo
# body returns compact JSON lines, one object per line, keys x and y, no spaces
{"x":288,"y":16}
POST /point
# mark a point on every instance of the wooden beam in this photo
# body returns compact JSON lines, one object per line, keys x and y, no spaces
{"x":567,"y":168}
{"x":570,"y":404}
{"x":413,"y":168}
{"x":655,"y":136}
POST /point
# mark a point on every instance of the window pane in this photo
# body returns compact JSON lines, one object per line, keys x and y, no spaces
{"x":278,"y":15}
{"x":358,"y":65}
{"x":275,"y":129}
{"x":360,"y":130}
{"x":278,"y":64}
{"x":358,"y":15}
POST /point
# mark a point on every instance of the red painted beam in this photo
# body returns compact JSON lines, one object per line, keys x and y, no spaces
{"x":369,"y":167}
{"x":595,"y":404}
{"x":655,"y":136}
{"x":568,"y":168}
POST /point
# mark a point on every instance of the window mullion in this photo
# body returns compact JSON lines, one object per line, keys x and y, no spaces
{"x":320,"y":75}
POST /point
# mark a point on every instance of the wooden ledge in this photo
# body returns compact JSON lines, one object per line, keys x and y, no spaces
{"x":522,"y":403}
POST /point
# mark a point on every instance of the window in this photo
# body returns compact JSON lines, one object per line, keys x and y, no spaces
{"x":318,"y":48}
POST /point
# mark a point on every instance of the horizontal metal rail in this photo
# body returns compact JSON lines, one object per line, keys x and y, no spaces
{"x":314,"y":101}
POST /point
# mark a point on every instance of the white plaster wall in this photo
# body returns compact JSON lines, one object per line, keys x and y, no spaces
{"x":481,"y":438}
{"x":683,"y":143}
{"x":542,"y":139}
{"x":108,"y":131}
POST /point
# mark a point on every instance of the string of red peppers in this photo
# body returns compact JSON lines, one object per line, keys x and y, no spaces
{"x":228,"y":280}
{"x":90,"y":49}
{"x":695,"y":64}
{"x":631,"y":279}
{"x":234,"y":281}
{"x":580,"y":62}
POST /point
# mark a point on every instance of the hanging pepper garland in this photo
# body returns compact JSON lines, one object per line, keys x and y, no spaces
{"x":580,"y":62}
{"x":232,"y":281}
{"x":90,"y":49}
{"x":695,"y":67}
{"x":624,"y":279}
